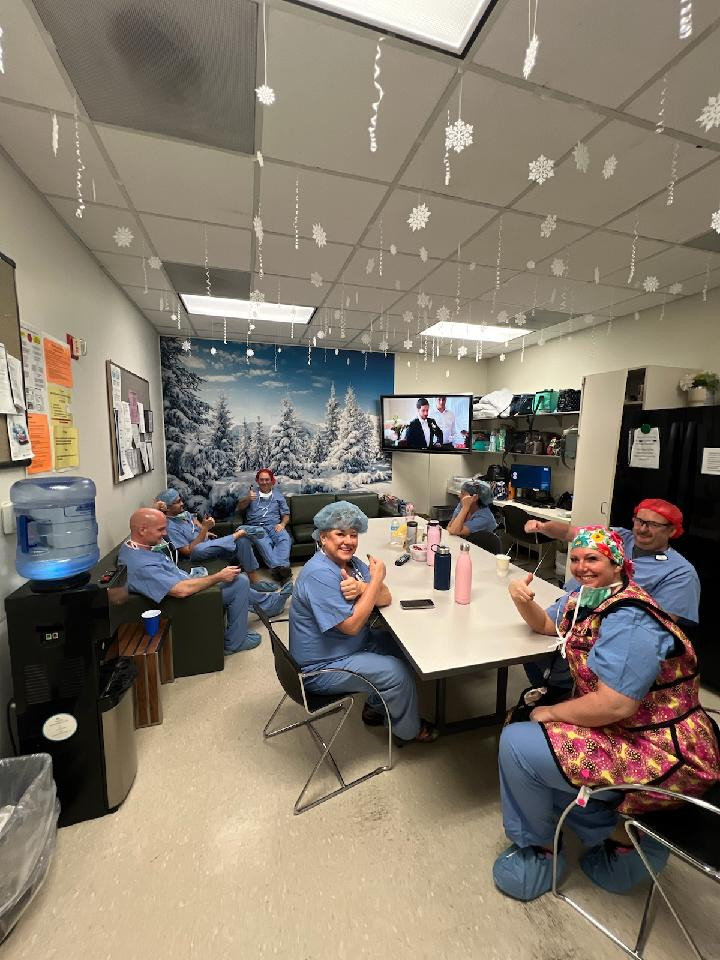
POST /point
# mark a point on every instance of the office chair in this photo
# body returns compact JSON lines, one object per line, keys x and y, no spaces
{"x":515,"y":520}
{"x":485,"y":540}
{"x":292,"y":679}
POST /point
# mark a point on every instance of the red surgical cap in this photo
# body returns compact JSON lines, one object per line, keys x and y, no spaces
{"x":666,"y":509}
{"x":268,"y":471}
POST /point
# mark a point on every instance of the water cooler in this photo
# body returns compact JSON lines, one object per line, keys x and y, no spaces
{"x":67,"y":702}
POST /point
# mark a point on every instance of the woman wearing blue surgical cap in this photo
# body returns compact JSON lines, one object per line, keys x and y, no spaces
{"x":333,"y":599}
{"x":473,"y":513}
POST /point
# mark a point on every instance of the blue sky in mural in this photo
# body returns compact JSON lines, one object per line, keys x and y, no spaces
{"x":256,"y":388}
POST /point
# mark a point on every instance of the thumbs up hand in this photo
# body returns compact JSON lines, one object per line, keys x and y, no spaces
{"x":520,"y":589}
{"x":349,"y":586}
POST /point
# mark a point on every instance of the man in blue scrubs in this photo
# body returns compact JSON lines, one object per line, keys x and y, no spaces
{"x":152,"y":573}
{"x":195,"y":540}
{"x":269,"y":510}
{"x":473,"y":513}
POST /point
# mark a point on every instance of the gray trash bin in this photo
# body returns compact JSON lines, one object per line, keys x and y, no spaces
{"x":28,"y":827}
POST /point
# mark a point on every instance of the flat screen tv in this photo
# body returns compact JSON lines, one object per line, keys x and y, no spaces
{"x":426,"y":423}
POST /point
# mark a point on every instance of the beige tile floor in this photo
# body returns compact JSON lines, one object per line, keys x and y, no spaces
{"x":206,"y":860}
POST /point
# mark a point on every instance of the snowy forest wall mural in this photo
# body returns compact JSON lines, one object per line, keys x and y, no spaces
{"x":226,"y":415}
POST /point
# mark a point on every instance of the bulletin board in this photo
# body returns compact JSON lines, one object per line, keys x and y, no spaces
{"x":131,"y":440}
{"x":10,"y":337}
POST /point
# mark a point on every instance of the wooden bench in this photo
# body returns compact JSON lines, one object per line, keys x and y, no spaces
{"x":153,"y":658}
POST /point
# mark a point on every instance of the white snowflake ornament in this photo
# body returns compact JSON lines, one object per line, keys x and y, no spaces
{"x":472,"y":266}
{"x":257,"y":296}
{"x":581,"y":155}
{"x":458,"y":136}
{"x":370,"y":266}
{"x":530,"y":55}
{"x":408,"y":344}
{"x":265,"y":94}
{"x":393,"y":249}
{"x":462,"y":352}
{"x":530,"y":264}
{"x":315,"y":279}
{"x":650,"y":284}
{"x":383,"y":345}
{"x":320,"y":334}
{"x":123,"y":236}
{"x":558,"y":267}
{"x":185,"y":345}
{"x":502,"y":358}
{"x":213,"y":351}
{"x":520,"y":319}
{"x":503,"y":316}
{"x":319,"y":235}
{"x":548,"y":225}
{"x":366,"y":338}
{"x":541,"y":169}
{"x":408,"y":316}
{"x":154,"y":263}
{"x":419,"y":217}
{"x":423,"y":255}
{"x":715,"y":221}
{"x":675,"y":288}
{"x":610,"y":166}
{"x":424,"y":301}
{"x":710,"y":114}
{"x":442,"y":314}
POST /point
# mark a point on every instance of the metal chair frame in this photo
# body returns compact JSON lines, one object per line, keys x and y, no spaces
{"x":633,"y":828}
{"x":343,"y":705}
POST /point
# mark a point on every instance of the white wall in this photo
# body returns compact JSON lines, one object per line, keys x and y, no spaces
{"x":422,"y":478}
{"x":61,"y":289}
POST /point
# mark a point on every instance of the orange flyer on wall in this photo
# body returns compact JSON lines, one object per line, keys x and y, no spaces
{"x":58,"y":365}
{"x":39,"y":430}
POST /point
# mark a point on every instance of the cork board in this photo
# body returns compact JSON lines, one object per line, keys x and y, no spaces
{"x":10,"y":336}
{"x":130,"y":386}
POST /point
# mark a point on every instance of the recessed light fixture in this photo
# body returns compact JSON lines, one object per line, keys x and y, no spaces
{"x":246,"y":309}
{"x":448,"y":26}
{"x":450,"y":330}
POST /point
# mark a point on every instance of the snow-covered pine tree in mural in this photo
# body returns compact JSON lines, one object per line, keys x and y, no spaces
{"x":244,"y":438}
{"x":223,"y":449}
{"x":287,"y":451}
{"x":185,"y":413}
{"x":258,"y":452}
{"x":350,"y":450}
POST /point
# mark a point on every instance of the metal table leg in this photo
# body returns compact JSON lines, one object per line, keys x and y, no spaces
{"x":471,"y":723}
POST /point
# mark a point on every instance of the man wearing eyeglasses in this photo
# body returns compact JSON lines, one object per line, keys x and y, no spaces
{"x":666,"y":575}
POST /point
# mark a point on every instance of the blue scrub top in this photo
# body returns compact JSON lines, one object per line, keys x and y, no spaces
{"x":672,"y":582}
{"x":628,"y":651}
{"x":267,"y":512}
{"x":150,"y":573}
{"x":317,"y":608}
{"x":181,"y":530}
{"x":482,"y":519}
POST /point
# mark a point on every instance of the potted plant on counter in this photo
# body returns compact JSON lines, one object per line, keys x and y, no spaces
{"x":700,"y":387}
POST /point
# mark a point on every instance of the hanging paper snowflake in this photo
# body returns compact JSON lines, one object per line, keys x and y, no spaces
{"x":443,"y":314}
{"x":366,"y":338}
{"x":530,"y":56}
{"x":370,"y":266}
{"x":472,"y":266}
{"x":408,"y":344}
{"x":265,"y":94}
{"x":462,"y":352}
{"x":213,"y":351}
{"x":581,"y":155}
{"x":530,"y":264}
{"x":383,"y":345}
{"x":715,"y":221}
{"x":123,"y":236}
{"x":541,"y":169}
{"x":423,"y":255}
{"x":558,"y":267}
{"x":320,"y":334}
{"x":502,"y":358}
{"x":154,"y":263}
{"x":408,"y":316}
{"x":185,"y":345}
{"x":393,"y":249}
{"x":419,"y":217}
{"x":503,"y":316}
{"x":319,"y":235}
{"x":257,"y":296}
{"x":710,"y":114}
{"x":588,"y":318}
{"x":458,"y":136}
{"x":610,"y":166}
{"x":424,"y":301}
{"x":548,"y":225}
{"x":650,"y":284}
{"x":55,"y":134}
{"x":675,"y":288}
{"x":316,"y":280}
{"x":520,"y":319}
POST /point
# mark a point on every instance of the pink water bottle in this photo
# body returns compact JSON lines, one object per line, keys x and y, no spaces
{"x":463,"y":575}
{"x":434,"y":535}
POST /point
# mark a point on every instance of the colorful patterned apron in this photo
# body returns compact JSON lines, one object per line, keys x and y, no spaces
{"x":669,"y":741}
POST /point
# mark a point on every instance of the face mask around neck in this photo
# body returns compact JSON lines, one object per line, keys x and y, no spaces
{"x":265,"y":496}
{"x":592,"y":597}
{"x":162,"y":547}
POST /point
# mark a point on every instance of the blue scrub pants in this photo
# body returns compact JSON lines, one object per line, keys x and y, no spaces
{"x":274,"y":548}
{"x":560,"y":675}
{"x":238,"y":551}
{"x":534,"y":793}
{"x":237,"y":597}
{"x":382,"y":663}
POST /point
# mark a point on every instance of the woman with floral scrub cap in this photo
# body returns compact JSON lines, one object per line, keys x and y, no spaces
{"x":334,"y":597}
{"x":634,"y":717}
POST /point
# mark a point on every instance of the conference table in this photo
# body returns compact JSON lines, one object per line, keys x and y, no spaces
{"x":450,"y":638}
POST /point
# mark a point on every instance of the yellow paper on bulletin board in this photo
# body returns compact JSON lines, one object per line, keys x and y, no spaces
{"x":67,"y":452}
{"x":60,"y":400}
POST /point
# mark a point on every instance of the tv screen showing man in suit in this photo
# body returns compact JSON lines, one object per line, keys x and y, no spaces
{"x":431,"y":424}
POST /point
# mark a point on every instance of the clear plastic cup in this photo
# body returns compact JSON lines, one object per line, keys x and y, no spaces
{"x":502,"y":564}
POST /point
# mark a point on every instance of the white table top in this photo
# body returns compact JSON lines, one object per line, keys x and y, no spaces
{"x":544,"y":513}
{"x":451,"y":638}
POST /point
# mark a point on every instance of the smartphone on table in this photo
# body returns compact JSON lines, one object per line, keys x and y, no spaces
{"x":416,"y":604}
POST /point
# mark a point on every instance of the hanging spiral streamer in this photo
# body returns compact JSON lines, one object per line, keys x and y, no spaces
{"x":224,"y":329}
{"x":208,"y":284}
{"x":380,"y":95}
{"x":707,"y":280}
{"x":660,"y":125}
{"x":380,"y":252}
{"x":145,"y":280}
{"x":673,"y":176}
{"x":79,"y":209}
{"x":633,"y":252}
{"x":686,"y":22}
{"x":457,"y":289}
{"x":446,"y":156}
{"x":297,"y":213}
{"x":2,"y":56}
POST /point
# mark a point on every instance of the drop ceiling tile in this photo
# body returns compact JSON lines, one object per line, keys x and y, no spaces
{"x":146,"y":301}
{"x":644,"y":165}
{"x":609,"y":252}
{"x":579,"y":297}
{"x":521,"y":241}
{"x":183,"y":241}
{"x":695,"y":200}
{"x":403,"y":269}
{"x":443,"y":282}
{"x":291,"y":290}
{"x":26,"y":135}
{"x":322,"y":74}
{"x":125,"y":268}
{"x":695,"y":285}
{"x":98,"y":224}
{"x":451,"y":223}
{"x":596,"y":51}
{"x":341,"y":205}
{"x":670,"y":266}
{"x":181,"y":179}
{"x":280,"y":257}
{"x":636,"y":302}
{"x":494,"y":169}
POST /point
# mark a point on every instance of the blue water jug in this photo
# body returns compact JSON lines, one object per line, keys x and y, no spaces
{"x":56,"y":530}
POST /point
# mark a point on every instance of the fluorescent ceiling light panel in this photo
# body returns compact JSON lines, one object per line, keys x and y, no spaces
{"x":245,"y":309}
{"x":473,"y":331}
{"x":448,"y":25}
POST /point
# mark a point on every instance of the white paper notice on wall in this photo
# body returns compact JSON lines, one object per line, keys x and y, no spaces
{"x":711,"y":461}
{"x":645,"y":449}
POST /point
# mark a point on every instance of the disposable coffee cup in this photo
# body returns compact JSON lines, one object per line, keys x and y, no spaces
{"x":502,"y":564}
{"x":151,"y":620}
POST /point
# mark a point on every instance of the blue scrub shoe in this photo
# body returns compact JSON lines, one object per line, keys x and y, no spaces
{"x":525,"y":873}
{"x":618,"y":869}
{"x":274,"y":603}
{"x":251,"y":531}
{"x":264,"y":586}
{"x":286,"y":589}
{"x":252,"y":640}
